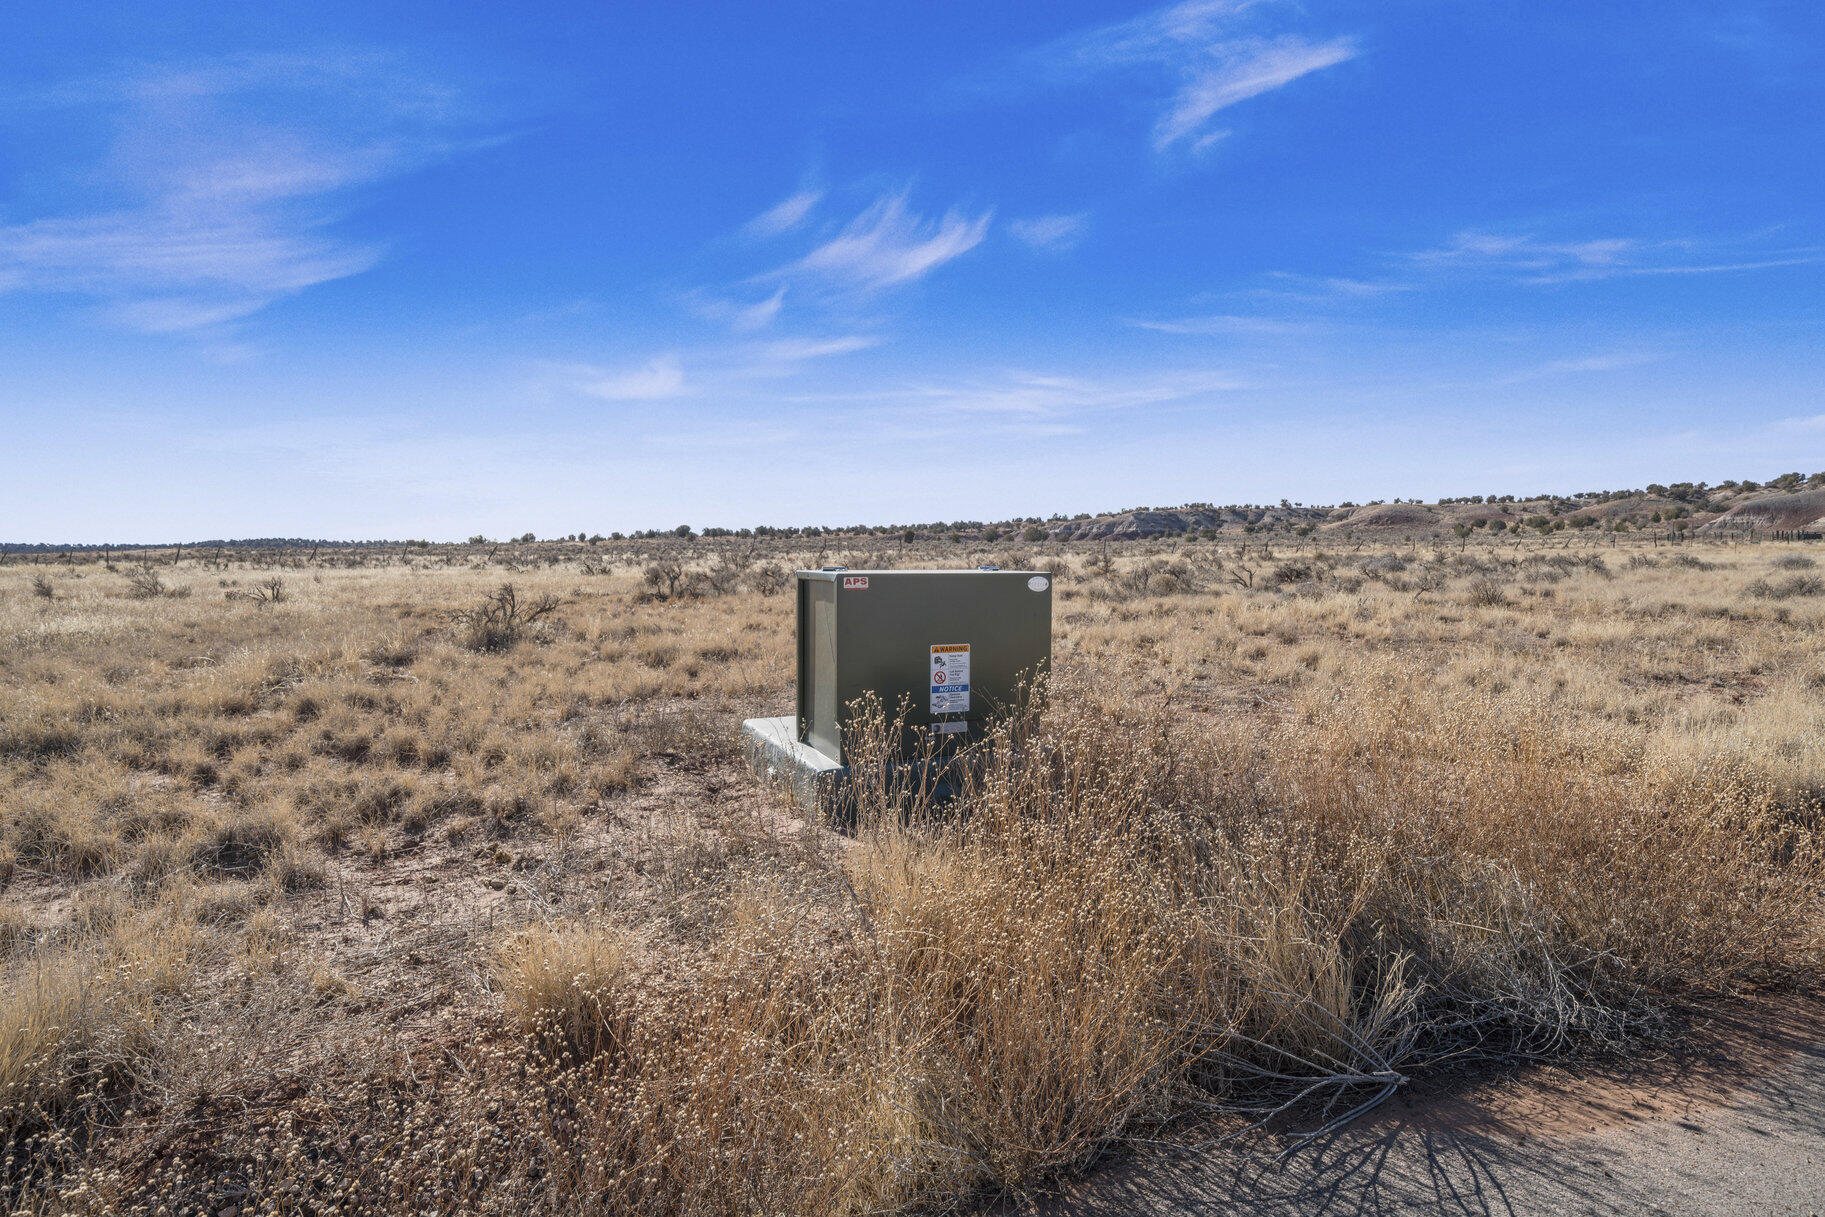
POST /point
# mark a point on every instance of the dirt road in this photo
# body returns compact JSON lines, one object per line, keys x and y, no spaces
{"x":1732,"y":1122}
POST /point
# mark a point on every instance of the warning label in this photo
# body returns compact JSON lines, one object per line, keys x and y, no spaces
{"x":950,"y":678}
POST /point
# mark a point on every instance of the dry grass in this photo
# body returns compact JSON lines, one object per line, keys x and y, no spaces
{"x":567,"y":987}
{"x":366,"y":898}
{"x":80,"y":1020}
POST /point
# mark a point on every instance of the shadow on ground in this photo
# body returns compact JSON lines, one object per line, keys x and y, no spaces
{"x":1731,"y":1121}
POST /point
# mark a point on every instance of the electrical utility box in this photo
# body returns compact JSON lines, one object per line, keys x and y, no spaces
{"x":949,"y":648}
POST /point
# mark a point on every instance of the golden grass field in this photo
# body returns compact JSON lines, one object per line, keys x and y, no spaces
{"x":355,"y":899}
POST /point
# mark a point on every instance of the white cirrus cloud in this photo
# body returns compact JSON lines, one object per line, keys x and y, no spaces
{"x":1237,"y":72}
{"x":1530,"y":259}
{"x":784,"y":215}
{"x":760,"y":315}
{"x":888,"y":244}
{"x":1582,"y":365}
{"x":1050,"y":233}
{"x":1527,"y":252}
{"x":655,"y":380}
{"x":1050,"y":394}
{"x":797,"y":350}
{"x":224,"y":184}
{"x":1220,"y":324}
{"x":1198,"y":59}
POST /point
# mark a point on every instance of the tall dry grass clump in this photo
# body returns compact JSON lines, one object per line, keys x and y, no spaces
{"x":77,"y":1023}
{"x":1124,"y":918}
{"x":1546,"y":879}
{"x":567,"y":987}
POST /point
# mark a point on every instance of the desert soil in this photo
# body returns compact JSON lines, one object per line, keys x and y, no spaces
{"x":1732,"y":1121}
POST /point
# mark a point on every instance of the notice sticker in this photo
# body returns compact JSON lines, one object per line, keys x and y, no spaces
{"x":858,"y":582}
{"x":950,"y":678}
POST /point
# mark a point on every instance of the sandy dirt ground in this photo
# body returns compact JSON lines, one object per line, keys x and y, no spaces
{"x":1732,"y":1122}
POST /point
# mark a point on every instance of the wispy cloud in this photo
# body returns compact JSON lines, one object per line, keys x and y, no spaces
{"x":886,"y":245}
{"x":1796,"y":258}
{"x":717,"y":370}
{"x":1493,"y":258}
{"x":1051,"y":234}
{"x":1528,"y":258}
{"x":1526,"y":252}
{"x":1200,"y":57}
{"x":1615,"y":361}
{"x":725,"y":306}
{"x":1296,"y":288}
{"x":224,"y":183}
{"x":1583,"y":365}
{"x":659,"y":378}
{"x":797,"y":350}
{"x":1042,"y":395}
{"x":1225,"y":324}
{"x":760,"y":315}
{"x":784,"y":215}
{"x":1238,"y":72}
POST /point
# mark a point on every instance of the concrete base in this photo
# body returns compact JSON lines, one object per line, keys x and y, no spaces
{"x":775,"y":754}
{"x":821,"y":787}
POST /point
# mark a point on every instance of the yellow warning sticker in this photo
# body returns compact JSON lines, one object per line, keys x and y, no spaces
{"x":950,"y":677}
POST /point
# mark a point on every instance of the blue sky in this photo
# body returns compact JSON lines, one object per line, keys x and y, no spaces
{"x":404,"y":269}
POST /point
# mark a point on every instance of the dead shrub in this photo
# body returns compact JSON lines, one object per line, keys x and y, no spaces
{"x":1486,"y":593}
{"x":144,"y":583}
{"x":769,"y":579}
{"x":666,"y":580}
{"x":1159,"y":577}
{"x":267,"y":591}
{"x":728,"y":574}
{"x":1784,"y":589}
{"x":501,"y":620}
{"x":1287,"y":573}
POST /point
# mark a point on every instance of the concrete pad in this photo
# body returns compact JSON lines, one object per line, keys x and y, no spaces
{"x":821,"y":787}
{"x":775,"y":754}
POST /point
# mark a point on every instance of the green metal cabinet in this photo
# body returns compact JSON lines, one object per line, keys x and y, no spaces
{"x":948,"y":647}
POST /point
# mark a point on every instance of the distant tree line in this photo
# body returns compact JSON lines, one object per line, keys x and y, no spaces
{"x":1551,"y":512}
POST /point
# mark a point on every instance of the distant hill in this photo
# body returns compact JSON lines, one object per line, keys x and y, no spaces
{"x":1166,"y":522}
{"x":1626,"y":511}
{"x":1384,"y":517}
{"x":1729,"y":507}
{"x":1800,"y":509}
